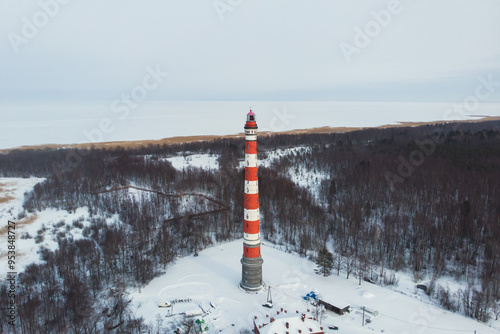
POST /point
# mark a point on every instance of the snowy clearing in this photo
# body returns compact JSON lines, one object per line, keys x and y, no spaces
{"x":214,"y":275}
{"x":203,"y":161}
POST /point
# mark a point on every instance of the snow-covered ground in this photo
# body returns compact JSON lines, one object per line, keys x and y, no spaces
{"x":181,"y":203}
{"x":214,"y":275}
{"x":12,"y":195}
{"x":204,"y":161}
{"x":300,"y":174}
{"x":275,"y":155}
{"x":303,"y":177}
{"x":38,"y":124}
{"x":49,"y":223}
{"x":42,"y":228}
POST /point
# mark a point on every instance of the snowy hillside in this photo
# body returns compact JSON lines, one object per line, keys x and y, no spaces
{"x":213,"y":277}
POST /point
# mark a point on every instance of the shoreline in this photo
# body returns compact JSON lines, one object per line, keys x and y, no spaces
{"x":197,"y":138}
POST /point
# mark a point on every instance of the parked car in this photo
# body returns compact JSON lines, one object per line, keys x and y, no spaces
{"x":166,"y":304}
{"x":422,"y":287}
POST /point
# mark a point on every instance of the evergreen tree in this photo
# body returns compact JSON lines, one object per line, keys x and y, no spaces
{"x":324,"y":262}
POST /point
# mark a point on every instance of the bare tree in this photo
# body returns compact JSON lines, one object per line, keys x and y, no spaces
{"x":338,"y":262}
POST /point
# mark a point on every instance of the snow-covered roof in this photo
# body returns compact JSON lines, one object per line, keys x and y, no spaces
{"x":333,"y":299}
{"x":193,"y":313}
{"x":283,"y":322}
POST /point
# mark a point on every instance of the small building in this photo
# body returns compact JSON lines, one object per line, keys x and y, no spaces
{"x":285,"y":322}
{"x":339,"y":307}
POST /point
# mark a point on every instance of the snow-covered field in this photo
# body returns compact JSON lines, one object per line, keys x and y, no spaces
{"x":71,"y":124}
{"x":214,"y":275}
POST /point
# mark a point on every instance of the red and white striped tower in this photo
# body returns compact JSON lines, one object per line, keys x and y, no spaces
{"x":251,"y":260}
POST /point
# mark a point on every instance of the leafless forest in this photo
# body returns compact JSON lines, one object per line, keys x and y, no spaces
{"x":424,"y":200}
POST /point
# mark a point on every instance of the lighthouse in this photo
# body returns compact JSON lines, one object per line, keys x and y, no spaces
{"x":251,"y":261}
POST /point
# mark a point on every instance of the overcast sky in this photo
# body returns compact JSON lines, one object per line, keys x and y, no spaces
{"x":426,"y":50}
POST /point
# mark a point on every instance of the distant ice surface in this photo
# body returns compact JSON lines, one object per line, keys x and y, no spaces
{"x":96,"y":122}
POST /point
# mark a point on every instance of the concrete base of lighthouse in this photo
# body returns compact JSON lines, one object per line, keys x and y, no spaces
{"x":251,"y":280}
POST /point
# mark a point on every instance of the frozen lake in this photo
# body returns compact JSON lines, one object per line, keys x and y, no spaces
{"x":96,"y":122}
